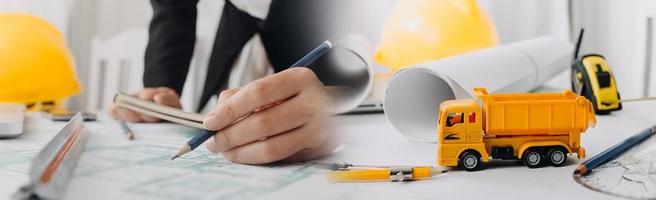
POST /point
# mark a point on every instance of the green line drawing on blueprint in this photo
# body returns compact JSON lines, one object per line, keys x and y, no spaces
{"x":198,"y":175}
{"x":143,"y":168}
{"x":148,"y":171}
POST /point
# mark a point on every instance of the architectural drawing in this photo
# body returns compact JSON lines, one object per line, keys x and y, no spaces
{"x":143,"y":168}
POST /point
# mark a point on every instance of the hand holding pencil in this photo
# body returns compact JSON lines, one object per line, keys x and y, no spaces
{"x":296,"y":128}
{"x":280,"y":117}
{"x":284,"y":116}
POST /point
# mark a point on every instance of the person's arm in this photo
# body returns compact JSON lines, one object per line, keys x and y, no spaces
{"x":171,"y":38}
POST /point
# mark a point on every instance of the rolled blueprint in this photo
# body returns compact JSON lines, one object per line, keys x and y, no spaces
{"x":413,"y":95}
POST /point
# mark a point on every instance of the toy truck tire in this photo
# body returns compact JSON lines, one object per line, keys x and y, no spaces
{"x":470,"y":160}
{"x":533,"y":158}
{"x":557,"y":156}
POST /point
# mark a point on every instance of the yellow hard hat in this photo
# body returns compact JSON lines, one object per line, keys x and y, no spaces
{"x":422,"y":30}
{"x":35,"y":63}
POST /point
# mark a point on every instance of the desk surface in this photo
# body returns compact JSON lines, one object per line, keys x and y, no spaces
{"x":374,"y":141}
{"x":369,"y":139}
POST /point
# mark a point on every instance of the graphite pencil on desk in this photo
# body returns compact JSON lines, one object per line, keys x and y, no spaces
{"x":207,"y":134}
{"x":124,"y":126}
{"x":614,"y":151}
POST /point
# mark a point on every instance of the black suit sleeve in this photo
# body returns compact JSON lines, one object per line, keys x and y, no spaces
{"x":171,"y":38}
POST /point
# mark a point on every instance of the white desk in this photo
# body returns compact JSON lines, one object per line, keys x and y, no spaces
{"x":370,"y":140}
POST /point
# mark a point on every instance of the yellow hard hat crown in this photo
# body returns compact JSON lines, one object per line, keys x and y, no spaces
{"x":35,"y":62}
{"x":423,"y":30}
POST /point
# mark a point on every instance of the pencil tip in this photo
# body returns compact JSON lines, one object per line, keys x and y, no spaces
{"x":185,"y":149}
{"x":130,"y":136}
{"x":581,"y":170}
{"x":436,"y":171}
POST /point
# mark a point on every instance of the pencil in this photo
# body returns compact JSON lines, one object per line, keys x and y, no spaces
{"x":306,"y":60}
{"x":314,"y":54}
{"x":128,"y":132}
{"x":394,"y":174}
{"x":614,"y":151}
{"x":194,"y":142}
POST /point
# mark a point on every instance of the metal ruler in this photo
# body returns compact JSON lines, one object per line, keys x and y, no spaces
{"x":53,"y":166}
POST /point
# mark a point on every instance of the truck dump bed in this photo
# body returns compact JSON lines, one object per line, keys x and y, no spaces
{"x":535,"y":114}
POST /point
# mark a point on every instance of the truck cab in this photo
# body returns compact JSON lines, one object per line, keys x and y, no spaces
{"x":460,"y":130}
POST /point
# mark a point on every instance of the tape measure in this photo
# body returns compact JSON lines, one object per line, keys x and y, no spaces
{"x":593,"y":79}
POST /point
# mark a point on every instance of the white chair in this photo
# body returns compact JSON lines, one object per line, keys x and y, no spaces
{"x":116,"y":65}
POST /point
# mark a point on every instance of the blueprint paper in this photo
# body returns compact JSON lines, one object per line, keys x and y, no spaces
{"x":413,"y":95}
{"x":113,"y":167}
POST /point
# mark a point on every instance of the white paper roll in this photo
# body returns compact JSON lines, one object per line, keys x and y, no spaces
{"x":414,"y":94}
{"x":352,"y":55}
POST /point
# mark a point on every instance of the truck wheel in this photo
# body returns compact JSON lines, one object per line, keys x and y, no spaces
{"x":557,"y":156}
{"x":470,"y":161}
{"x":533,"y":158}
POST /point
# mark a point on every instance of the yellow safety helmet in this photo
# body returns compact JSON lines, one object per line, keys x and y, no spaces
{"x":422,"y":30}
{"x":36,"y":66}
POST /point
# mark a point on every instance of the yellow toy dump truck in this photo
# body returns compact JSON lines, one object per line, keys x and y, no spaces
{"x":538,"y":128}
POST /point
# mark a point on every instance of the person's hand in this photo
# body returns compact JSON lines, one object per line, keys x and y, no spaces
{"x":161,"y":95}
{"x":280,"y":117}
